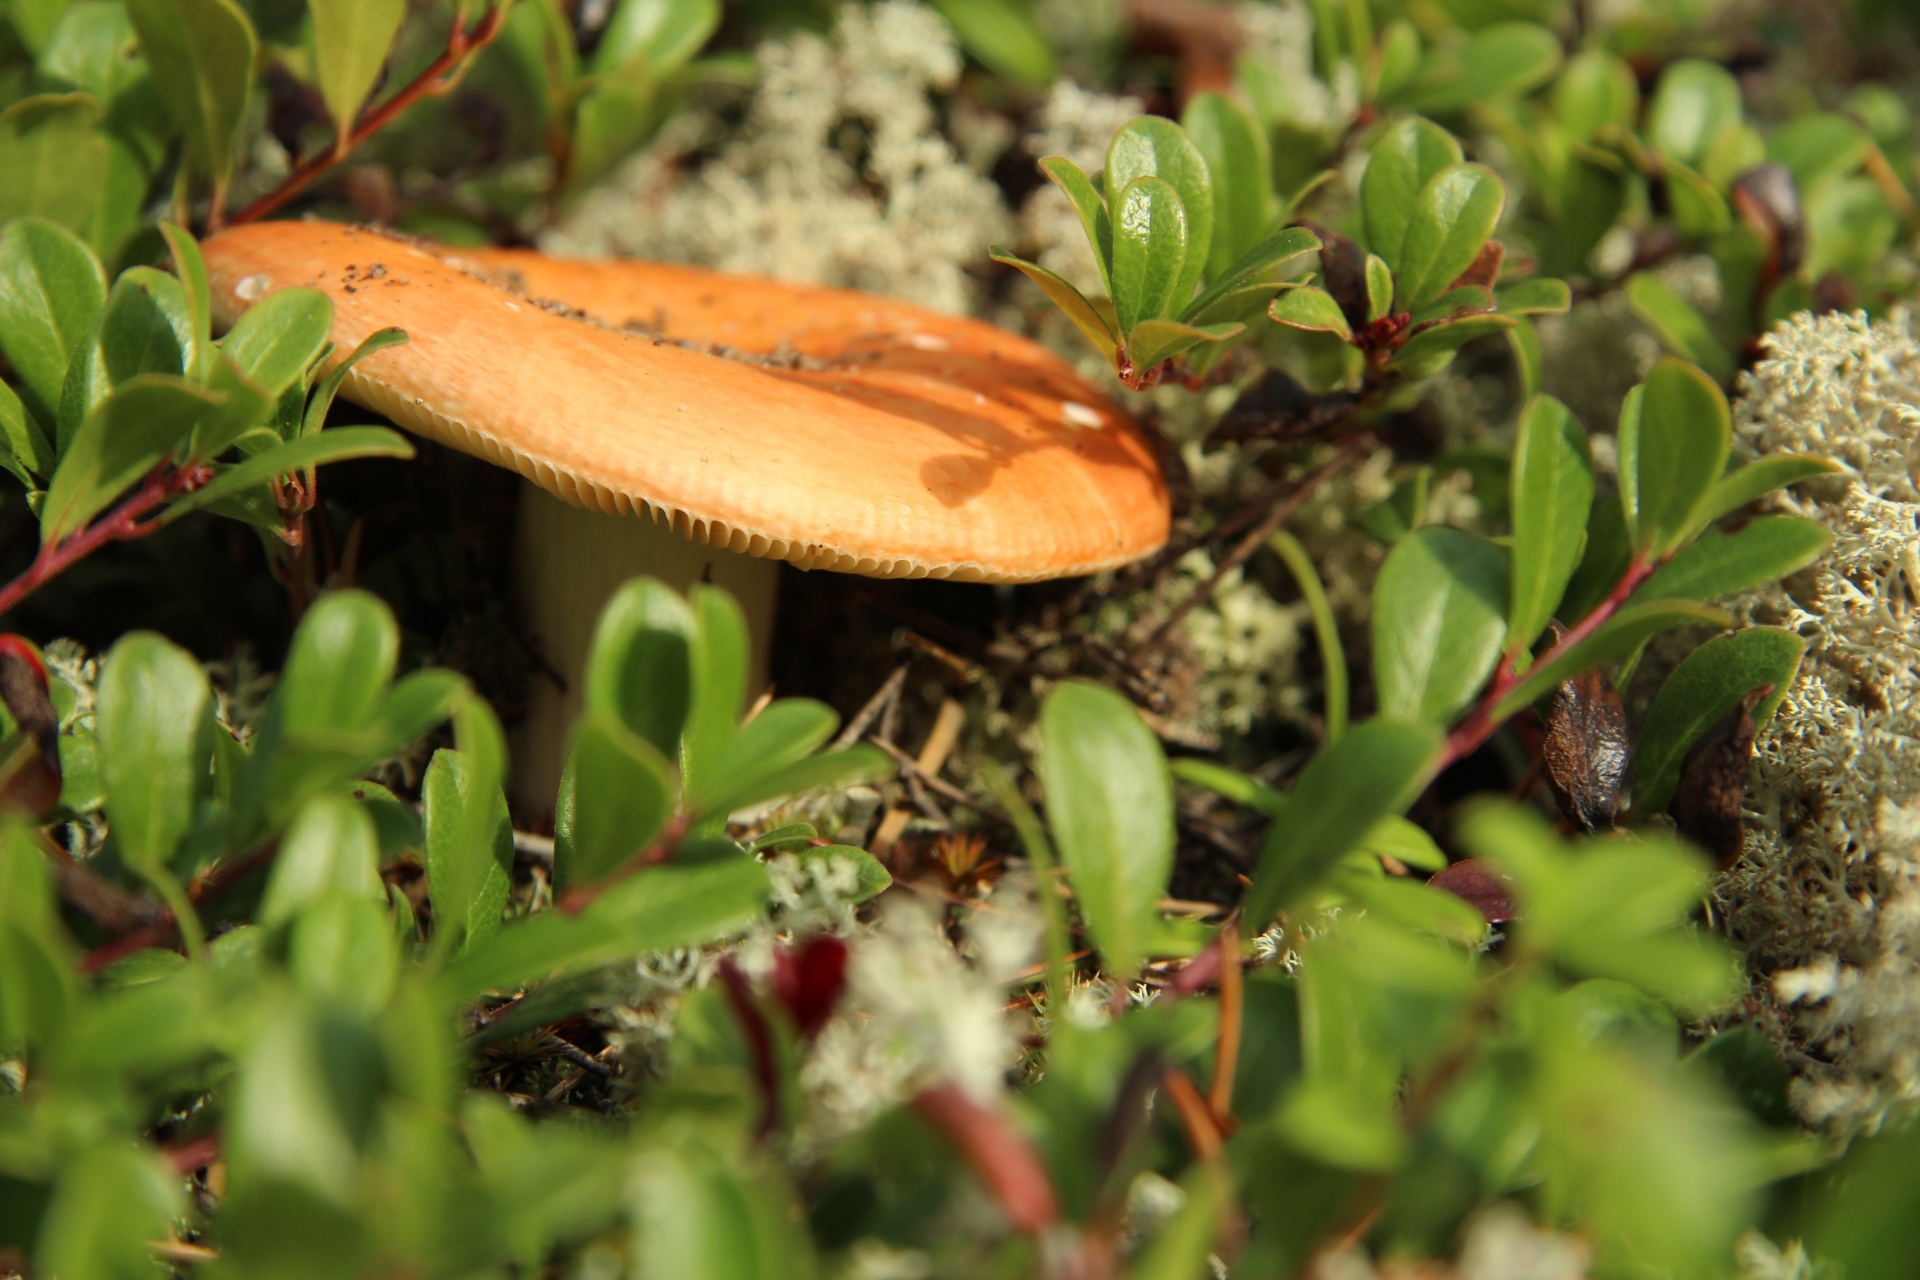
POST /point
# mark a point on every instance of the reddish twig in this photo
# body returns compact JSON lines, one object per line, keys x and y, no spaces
{"x":759,"y":1037}
{"x":1481,"y":723}
{"x":1001,"y":1155}
{"x":577,"y":899}
{"x":1203,"y":1128}
{"x":120,"y":525}
{"x":1226,"y":1055}
{"x":440,"y":77}
{"x":152,"y":935}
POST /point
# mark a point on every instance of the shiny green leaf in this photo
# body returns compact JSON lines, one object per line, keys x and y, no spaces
{"x":1675,"y":431}
{"x":337,"y":445}
{"x":1150,"y":238}
{"x":1110,"y":804}
{"x":1260,"y":267}
{"x":1085,"y":316}
{"x":350,"y":43}
{"x":150,"y":721}
{"x":616,"y":796}
{"x":1004,"y":36}
{"x":1756,"y":480}
{"x":1765,"y":549}
{"x":144,"y":420}
{"x":1439,"y":622}
{"x":1451,"y":220}
{"x":1153,"y":341}
{"x":202,"y":56}
{"x":1149,"y":146}
{"x":1539,"y":296}
{"x":1707,"y":685}
{"x":330,"y":849}
{"x":145,"y":327}
{"x":1596,"y":89}
{"x":1552,"y":490}
{"x":1086,"y":202}
{"x":1695,"y":101}
{"x":1626,"y":631}
{"x":1403,"y":160}
{"x":54,"y":157}
{"x":51,"y":290}
{"x":278,"y":338}
{"x":637,"y":667}
{"x":1235,"y":147}
{"x":1682,"y":330}
{"x":1311,"y":309}
{"x":469,"y":848}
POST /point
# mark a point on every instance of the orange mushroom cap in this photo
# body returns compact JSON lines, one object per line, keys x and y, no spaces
{"x":824,"y":427}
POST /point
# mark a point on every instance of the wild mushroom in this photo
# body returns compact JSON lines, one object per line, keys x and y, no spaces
{"x":822,"y":427}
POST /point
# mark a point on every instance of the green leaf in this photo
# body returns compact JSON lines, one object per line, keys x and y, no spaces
{"x":1454,"y":304}
{"x":350,"y":43}
{"x":88,"y":48}
{"x":1086,"y":202}
{"x":340,"y":664}
{"x":685,"y":903}
{"x":1681,"y":329}
{"x":664,"y":35}
{"x":1309,"y":308}
{"x":202,"y":56}
{"x":1626,"y":631}
{"x":278,"y":338}
{"x":337,"y":445}
{"x":1596,"y":89}
{"x":1588,"y":199}
{"x":51,"y":291}
{"x":469,"y":848}
{"x":1258,"y":268}
{"x":1817,"y":147}
{"x":1765,"y":549}
{"x":638,"y":666}
{"x":1552,"y":496}
{"x":1149,"y":146}
{"x":1235,"y":147}
{"x":1756,"y":480}
{"x":1373,"y":772}
{"x":1149,"y":249}
{"x":1536,"y":297}
{"x":1432,"y":349}
{"x":1326,"y":627}
{"x":1402,"y":840}
{"x":1183,"y":1247}
{"x":1110,"y":804}
{"x":718,"y":693}
{"x":1674,"y":435}
{"x":1085,"y":316}
{"x":1608,"y":554}
{"x":27,"y":455}
{"x":1695,"y":103}
{"x":827,"y":771}
{"x":1155,"y":340}
{"x":1699,"y":210}
{"x":871,"y":877}
{"x":1439,"y":622}
{"x":110,"y":1203}
{"x":329,"y":386}
{"x":330,"y":849}
{"x":617,"y":795}
{"x":1403,"y":160}
{"x":192,"y":270}
{"x":54,"y":157}
{"x":144,"y":420}
{"x":1452,"y":219}
{"x":1708,"y":684}
{"x":1379,"y":288}
{"x":1501,"y":59}
{"x":784,"y":733}
{"x":150,"y":718}
{"x":146,"y":327}
{"x":1003,"y":35}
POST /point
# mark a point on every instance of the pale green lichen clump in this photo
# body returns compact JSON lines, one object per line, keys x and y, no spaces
{"x":839,"y":174}
{"x":1827,"y":898}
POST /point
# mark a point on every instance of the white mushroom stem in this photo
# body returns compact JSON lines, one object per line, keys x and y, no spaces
{"x":568,"y":562}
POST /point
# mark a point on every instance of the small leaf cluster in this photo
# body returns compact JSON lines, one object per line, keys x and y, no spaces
{"x":123,"y":385}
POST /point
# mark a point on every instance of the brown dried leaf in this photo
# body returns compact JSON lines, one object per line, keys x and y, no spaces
{"x":1768,"y":200}
{"x":1585,"y":750}
{"x":1713,"y":783}
{"x":1481,"y":885}
{"x":1484,"y":270}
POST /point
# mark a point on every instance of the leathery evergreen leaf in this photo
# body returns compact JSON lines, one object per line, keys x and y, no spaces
{"x":350,"y":43}
{"x":1083,"y":313}
{"x":1260,"y":267}
{"x":1235,"y":147}
{"x":1675,"y":431}
{"x":1150,"y":146}
{"x":1373,"y":772}
{"x":201,"y":53}
{"x":1311,"y":309}
{"x":468,"y":842}
{"x":1403,"y":160}
{"x":145,"y":419}
{"x":1683,"y":330}
{"x":1765,"y":549}
{"x":1439,"y":622}
{"x":1149,"y":247}
{"x":1452,"y":219}
{"x":1086,"y":201}
{"x":1552,"y":492}
{"x":1110,"y":804}
{"x":616,"y":796}
{"x":151,"y":718}
{"x":51,"y":289}
{"x":1710,"y":682}
{"x":638,"y":666}
{"x":337,"y":445}
{"x":1155,"y":340}
{"x":1756,"y":480}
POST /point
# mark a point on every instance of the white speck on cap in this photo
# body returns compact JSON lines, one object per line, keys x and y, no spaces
{"x":1079,"y":415}
{"x":928,"y":342}
{"x":253,"y":288}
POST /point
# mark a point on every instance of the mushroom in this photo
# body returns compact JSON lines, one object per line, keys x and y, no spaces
{"x":748,"y":421}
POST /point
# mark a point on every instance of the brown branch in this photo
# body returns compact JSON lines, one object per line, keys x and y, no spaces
{"x":1252,"y":542}
{"x":442,"y":75}
{"x":211,"y":886}
{"x":1226,"y":1056}
{"x":1001,"y":1155}
{"x":122,"y":524}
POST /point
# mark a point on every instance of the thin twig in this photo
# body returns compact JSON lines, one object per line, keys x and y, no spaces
{"x":201,"y":890}
{"x":1252,"y":542}
{"x":1227,"y":1053}
{"x":442,"y":75}
{"x":939,"y":785}
{"x":863,"y":719}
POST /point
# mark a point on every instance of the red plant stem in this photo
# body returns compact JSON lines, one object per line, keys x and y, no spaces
{"x":119,"y":525}
{"x":759,"y":1037}
{"x":152,"y":935}
{"x":1480,"y":725}
{"x":1001,"y":1155}
{"x":440,"y":77}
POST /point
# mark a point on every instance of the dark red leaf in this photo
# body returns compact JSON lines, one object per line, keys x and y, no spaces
{"x":1000,"y":1154}
{"x":1484,"y":270}
{"x":30,"y":776}
{"x":807,"y":980}
{"x":1481,"y":885}
{"x":1713,"y":783}
{"x":1343,"y":272}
